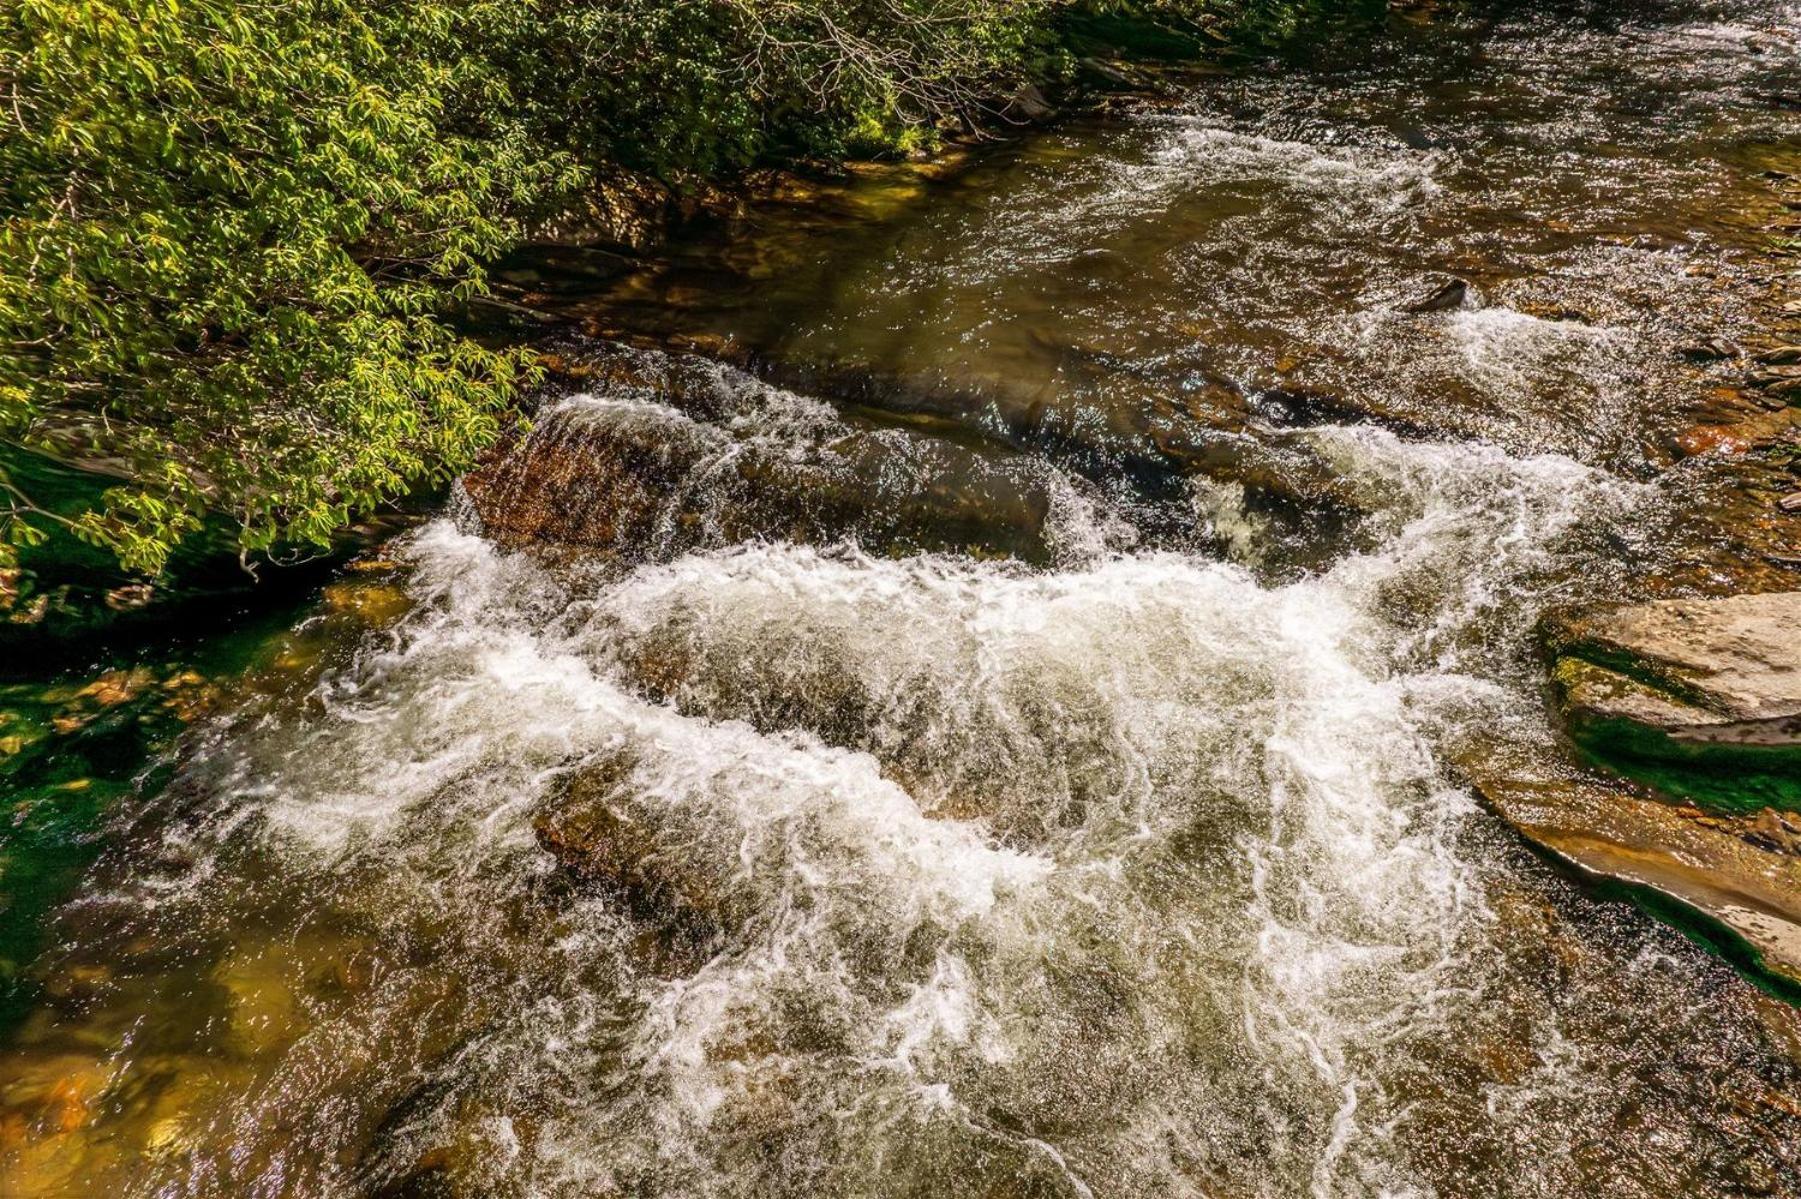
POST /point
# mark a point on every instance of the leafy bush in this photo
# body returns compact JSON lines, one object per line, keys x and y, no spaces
{"x":227,"y":227}
{"x":232,"y":227}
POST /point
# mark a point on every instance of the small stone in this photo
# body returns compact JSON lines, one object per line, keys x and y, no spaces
{"x":1790,"y":502}
{"x":188,"y":704}
{"x":1704,"y":439}
{"x":265,"y":1013}
{"x":116,"y":687}
{"x":1444,"y":298}
{"x":79,"y":981}
{"x":164,"y":1136}
{"x":1768,"y":829}
{"x":374,"y":604}
{"x":57,"y":1094}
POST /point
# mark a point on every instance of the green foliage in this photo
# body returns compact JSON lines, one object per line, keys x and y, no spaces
{"x":232,"y":228}
{"x":709,"y":86}
{"x":227,"y":227}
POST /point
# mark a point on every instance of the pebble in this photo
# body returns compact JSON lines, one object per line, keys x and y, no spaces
{"x":1790,"y":502}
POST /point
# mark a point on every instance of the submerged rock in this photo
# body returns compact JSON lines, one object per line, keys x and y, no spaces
{"x":1156,"y":430}
{"x":591,"y":833}
{"x":601,"y":842}
{"x":1444,"y":298}
{"x":669,"y":453}
{"x":1709,"y":684}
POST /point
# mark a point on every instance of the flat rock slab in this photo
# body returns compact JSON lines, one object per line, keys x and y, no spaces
{"x":1741,"y":871}
{"x":1698,"y":704}
{"x":1688,"y":675}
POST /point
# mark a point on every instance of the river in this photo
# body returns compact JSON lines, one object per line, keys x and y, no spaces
{"x":1009,"y":732}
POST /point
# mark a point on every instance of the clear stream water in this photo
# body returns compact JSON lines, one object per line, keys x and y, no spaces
{"x":1135,"y":862}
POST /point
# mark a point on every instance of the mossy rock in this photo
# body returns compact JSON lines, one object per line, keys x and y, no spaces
{"x":1699,"y":698}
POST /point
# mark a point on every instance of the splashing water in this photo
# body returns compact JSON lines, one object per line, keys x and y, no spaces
{"x":757,"y":847}
{"x":1135,"y":877}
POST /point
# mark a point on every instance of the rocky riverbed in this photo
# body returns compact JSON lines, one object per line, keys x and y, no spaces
{"x":1230,"y":647}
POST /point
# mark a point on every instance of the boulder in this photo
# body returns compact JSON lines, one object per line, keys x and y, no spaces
{"x":1741,"y":872}
{"x":606,"y":841}
{"x":1700,"y":697}
{"x":664,"y":454}
{"x":591,"y":830}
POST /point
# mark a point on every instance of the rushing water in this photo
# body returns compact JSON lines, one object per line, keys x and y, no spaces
{"x":1113,"y":841}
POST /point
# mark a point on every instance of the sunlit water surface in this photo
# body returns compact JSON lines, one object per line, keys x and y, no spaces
{"x":1141,"y":863}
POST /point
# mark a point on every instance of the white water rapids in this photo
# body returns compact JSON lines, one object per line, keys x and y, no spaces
{"x":722,"y":856}
{"x":1134,"y":876}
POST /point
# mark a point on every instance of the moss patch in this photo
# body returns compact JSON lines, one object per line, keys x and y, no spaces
{"x":1725,"y":778}
{"x":1606,"y":700}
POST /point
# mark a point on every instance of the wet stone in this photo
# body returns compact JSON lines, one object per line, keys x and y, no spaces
{"x":1725,"y":868}
{"x":1444,"y":298}
{"x":1737,"y":657}
{"x":589,"y":827}
{"x":372,"y":603}
{"x":673,"y":453}
{"x":1709,"y":684}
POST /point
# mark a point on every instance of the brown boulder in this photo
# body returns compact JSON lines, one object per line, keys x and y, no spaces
{"x":1699,"y":674}
{"x":670,"y":453}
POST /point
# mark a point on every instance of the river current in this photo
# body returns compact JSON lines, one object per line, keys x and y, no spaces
{"x":1132,"y":855}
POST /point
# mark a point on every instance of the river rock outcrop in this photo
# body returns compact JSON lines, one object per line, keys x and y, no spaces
{"x":1711,"y":684}
{"x":662,"y":454}
{"x":1697,"y":704}
{"x":1740,"y":871}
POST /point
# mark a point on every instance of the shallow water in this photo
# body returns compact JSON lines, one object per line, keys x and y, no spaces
{"x":1115,"y":844}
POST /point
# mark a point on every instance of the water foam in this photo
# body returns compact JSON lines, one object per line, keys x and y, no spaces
{"x":974,"y":835}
